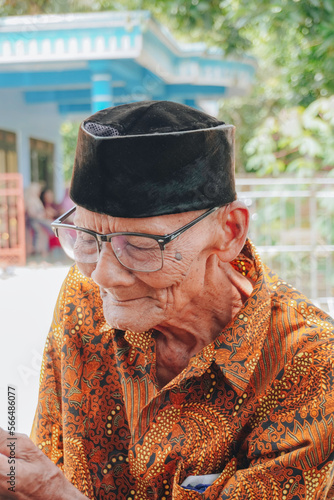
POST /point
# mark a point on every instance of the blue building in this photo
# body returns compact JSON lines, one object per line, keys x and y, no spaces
{"x":64,"y":67}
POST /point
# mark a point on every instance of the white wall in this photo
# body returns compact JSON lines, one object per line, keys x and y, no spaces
{"x":40,"y":121}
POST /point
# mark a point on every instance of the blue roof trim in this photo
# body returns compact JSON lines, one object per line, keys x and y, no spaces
{"x":43,"y":78}
{"x":126,"y":94}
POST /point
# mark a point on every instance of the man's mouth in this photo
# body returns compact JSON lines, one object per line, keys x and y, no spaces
{"x":104,"y":295}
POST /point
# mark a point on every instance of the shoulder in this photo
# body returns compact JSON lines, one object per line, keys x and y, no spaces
{"x":78,"y":304}
{"x":294,"y":312}
{"x":300,"y":339}
{"x":76,"y":283}
{"x":78,"y":288}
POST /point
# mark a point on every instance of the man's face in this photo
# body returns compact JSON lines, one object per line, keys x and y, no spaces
{"x":139,"y":301}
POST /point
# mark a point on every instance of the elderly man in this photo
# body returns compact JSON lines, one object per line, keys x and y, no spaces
{"x":177,"y":365}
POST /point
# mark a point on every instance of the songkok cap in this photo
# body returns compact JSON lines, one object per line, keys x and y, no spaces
{"x":153,"y":158}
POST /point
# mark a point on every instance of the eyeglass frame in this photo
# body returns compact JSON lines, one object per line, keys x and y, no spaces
{"x":162,"y":240}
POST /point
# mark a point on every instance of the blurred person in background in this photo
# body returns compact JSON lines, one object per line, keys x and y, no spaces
{"x":38,"y":226}
{"x":50,"y":207}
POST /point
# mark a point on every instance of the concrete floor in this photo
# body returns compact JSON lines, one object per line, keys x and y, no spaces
{"x":27,"y":298}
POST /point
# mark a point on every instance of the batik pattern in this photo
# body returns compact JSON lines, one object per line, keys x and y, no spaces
{"x":255,"y":406}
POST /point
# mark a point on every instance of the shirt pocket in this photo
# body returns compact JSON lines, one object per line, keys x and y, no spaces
{"x":212,"y":492}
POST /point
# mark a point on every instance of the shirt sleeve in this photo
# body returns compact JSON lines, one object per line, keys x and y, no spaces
{"x":46,"y":431}
{"x":58,"y":429}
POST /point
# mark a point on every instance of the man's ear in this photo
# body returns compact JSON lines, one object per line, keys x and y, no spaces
{"x":234,"y":221}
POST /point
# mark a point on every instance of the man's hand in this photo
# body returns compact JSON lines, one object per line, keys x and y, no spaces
{"x":26,"y":473}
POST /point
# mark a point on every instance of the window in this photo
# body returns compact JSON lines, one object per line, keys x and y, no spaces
{"x":42,"y":161}
{"x":8,"y":155}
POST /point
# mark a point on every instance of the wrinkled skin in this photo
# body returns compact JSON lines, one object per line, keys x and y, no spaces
{"x":36,"y":477}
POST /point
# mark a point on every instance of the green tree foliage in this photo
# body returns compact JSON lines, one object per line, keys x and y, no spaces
{"x":294,"y":46}
{"x":32,"y":7}
{"x":298,"y":140}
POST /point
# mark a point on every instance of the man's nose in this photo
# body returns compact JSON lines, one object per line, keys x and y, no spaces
{"x":108,"y":272}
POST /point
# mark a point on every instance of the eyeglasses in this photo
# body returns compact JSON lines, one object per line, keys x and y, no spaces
{"x":139,"y":252}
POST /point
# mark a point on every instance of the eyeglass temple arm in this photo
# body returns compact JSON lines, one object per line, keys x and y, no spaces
{"x":172,"y":236}
{"x":65,"y":215}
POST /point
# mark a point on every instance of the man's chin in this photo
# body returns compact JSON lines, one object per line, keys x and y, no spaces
{"x":126,"y":322}
{"x":130,"y":315}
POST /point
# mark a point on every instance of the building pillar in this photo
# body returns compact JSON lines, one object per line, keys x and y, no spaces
{"x":101,"y":91}
{"x":23,"y":156}
{"x":58,"y":172}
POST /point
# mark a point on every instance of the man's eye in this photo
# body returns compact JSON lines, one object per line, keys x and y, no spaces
{"x":86,"y":238}
{"x":141,"y":247}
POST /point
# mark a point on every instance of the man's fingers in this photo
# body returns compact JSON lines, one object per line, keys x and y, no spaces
{"x":5,"y":479}
{"x":28,"y":451}
{"x":18,"y":446}
{"x":4,"y":435}
{"x":3,"y":463}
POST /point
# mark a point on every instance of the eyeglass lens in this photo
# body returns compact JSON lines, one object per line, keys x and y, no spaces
{"x":139,"y":253}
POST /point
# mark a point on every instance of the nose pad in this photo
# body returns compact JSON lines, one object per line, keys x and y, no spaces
{"x":108,"y":272}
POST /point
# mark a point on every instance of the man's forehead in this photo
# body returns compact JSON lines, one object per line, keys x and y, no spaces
{"x":87,"y":218}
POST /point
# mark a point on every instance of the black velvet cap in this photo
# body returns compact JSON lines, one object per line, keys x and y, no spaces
{"x":153,"y":158}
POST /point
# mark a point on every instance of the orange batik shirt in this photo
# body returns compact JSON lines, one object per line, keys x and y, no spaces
{"x":255,"y":407}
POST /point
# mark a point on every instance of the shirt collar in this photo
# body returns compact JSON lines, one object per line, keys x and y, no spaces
{"x":238,"y":348}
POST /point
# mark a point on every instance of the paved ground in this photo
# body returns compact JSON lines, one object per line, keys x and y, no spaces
{"x":27,"y":299}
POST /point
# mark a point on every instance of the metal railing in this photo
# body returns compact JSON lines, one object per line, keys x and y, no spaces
{"x":292,"y":226}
